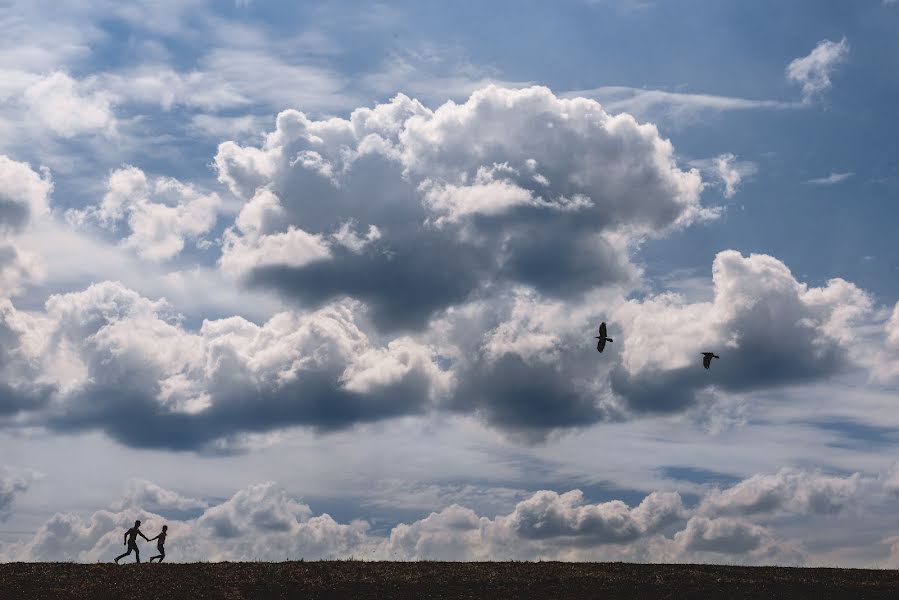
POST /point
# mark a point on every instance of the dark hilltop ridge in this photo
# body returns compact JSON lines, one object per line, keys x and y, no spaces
{"x":490,"y":580}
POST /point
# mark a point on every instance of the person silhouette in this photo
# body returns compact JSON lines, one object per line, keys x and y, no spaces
{"x":160,"y":545}
{"x":131,"y":541}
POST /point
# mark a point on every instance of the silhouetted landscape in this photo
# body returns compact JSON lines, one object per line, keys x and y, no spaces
{"x":357,"y":579}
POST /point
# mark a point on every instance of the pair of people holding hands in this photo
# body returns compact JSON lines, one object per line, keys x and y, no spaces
{"x":131,"y":542}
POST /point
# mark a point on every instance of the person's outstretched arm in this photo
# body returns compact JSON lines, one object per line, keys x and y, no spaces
{"x":152,"y":538}
{"x":141,"y":533}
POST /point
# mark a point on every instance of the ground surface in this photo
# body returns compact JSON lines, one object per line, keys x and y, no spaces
{"x":353,"y":579}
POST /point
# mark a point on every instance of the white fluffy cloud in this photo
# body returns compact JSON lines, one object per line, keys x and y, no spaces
{"x":262,"y":522}
{"x":24,"y":197}
{"x":733,"y":540}
{"x":767,"y":327}
{"x":107,"y":343}
{"x":813,"y":72}
{"x":885,"y":362}
{"x":24,"y":194}
{"x":788,"y":491}
{"x":510,"y":186}
{"x":60,"y":103}
{"x":142,"y":494}
{"x":741,"y":523}
{"x":161,"y":213}
{"x":520,"y":141}
{"x":17,"y":269}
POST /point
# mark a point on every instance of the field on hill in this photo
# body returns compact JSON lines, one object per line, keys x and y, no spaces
{"x":357,"y":579}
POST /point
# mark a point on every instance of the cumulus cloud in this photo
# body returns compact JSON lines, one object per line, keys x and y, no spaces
{"x":61,"y":104}
{"x":885,"y":365}
{"x":263,"y":522}
{"x":710,"y":540}
{"x":789,"y":491}
{"x":512,"y":185}
{"x":113,"y":357}
{"x":517,"y":360}
{"x":24,"y":197}
{"x":161,"y":213}
{"x":141,"y":494}
{"x":24,"y":194}
{"x":769,"y":329}
{"x":18,"y":268}
{"x":813,"y":72}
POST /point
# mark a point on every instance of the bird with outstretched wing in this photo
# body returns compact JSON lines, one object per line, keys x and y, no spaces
{"x":602,"y":338}
{"x":707,"y":358}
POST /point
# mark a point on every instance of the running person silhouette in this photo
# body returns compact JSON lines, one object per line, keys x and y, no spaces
{"x":160,"y":545}
{"x":131,"y":541}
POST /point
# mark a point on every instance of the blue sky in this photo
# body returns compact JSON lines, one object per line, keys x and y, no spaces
{"x":321,"y":280}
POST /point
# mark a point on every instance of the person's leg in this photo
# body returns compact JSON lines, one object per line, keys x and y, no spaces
{"x":161,"y":554}
{"x":136,"y":554}
{"x":120,"y":556}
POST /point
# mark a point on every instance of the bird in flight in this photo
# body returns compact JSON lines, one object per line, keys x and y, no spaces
{"x":602,"y":337}
{"x":707,"y":358}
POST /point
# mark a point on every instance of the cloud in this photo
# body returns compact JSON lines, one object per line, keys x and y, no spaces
{"x":831,"y":179}
{"x":18,"y":269}
{"x":813,"y":72}
{"x":460,"y":191}
{"x":233,"y":76}
{"x":12,"y":484}
{"x":769,"y":329}
{"x":58,"y":102}
{"x":115,"y":358}
{"x":110,"y":357}
{"x":24,"y":194}
{"x":24,"y":197}
{"x":141,"y":494}
{"x":161,"y":213}
{"x":885,"y":363}
{"x":727,"y":170}
{"x":263,"y":522}
{"x":789,"y":491}
{"x":675,"y":108}
{"x":432,"y":73}
{"x":703,"y":537}
{"x":550,"y":515}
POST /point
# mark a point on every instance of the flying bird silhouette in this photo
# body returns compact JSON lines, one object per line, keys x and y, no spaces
{"x":707,"y":358}
{"x":602,"y":337}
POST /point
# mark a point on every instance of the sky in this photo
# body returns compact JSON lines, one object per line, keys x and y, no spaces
{"x":321,"y":280}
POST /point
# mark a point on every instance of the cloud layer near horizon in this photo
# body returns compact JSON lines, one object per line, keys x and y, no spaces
{"x":735,"y":524}
{"x":262,"y":522}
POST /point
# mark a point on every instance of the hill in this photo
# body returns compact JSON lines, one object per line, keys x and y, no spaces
{"x":357,"y":579}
